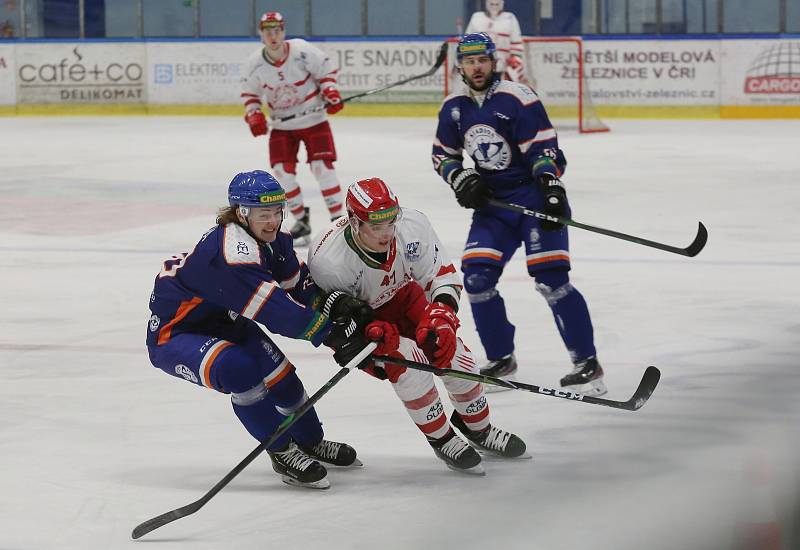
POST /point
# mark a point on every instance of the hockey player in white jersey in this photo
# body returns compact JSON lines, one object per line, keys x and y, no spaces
{"x":503,"y":28}
{"x":295,"y":77}
{"x":391,"y":259}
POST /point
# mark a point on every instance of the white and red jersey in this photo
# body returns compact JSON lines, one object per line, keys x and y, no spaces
{"x":337,"y":262}
{"x":291,"y":85}
{"x":504,"y":31}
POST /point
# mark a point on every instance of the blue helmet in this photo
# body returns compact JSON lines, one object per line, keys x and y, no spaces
{"x":476,"y":43}
{"x":256,"y":188}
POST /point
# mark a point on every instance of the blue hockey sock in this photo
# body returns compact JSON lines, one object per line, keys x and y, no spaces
{"x":569,"y":311}
{"x":288,"y":395}
{"x":489,"y":310}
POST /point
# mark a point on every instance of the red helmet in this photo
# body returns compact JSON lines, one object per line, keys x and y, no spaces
{"x":371,"y":200}
{"x":271,"y":19}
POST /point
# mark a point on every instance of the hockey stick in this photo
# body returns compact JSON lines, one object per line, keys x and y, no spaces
{"x":439,"y":60}
{"x":692,"y":250}
{"x":183,"y":511}
{"x":646,"y":386}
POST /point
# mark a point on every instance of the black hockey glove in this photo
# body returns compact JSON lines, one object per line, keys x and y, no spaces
{"x":471,"y":191}
{"x":555,"y":200}
{"x":348,"y":316}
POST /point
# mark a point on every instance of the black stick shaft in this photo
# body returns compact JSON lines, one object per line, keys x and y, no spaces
{"x":692,"y":250}
{"x":168,"y":517}
{"x":640,"y":397}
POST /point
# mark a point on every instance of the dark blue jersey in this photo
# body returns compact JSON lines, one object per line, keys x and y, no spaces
{"x":229,"y":274}
{"x":509,"y":137}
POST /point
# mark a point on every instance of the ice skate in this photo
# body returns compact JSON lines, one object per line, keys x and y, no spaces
{"x":301,"y":231}
{"x":492,"y":440}
{"x":299,"y":469}
{"x":505,"y":368}
{"x":457,"y":454}
{"x":333,"y":453}
{"x":586,"y":377}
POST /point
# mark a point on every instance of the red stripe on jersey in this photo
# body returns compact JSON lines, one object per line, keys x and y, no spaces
{"x":469,"y":395}
{"x":312,"y":95}
{"x":445,"y":269}
{"x":425,"y":401}
{"x":301,"y":82}
{"x":245,"y":94}
{"x":327,"y":79}
{"x":431,"y":427}
{"x":331,"y":191}
{"x":475,"y":418}
{"x":252,"y":101}
{"x":503,"y":34}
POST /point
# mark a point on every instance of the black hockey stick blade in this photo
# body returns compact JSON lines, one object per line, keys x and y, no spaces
{"x":646,"y":386}
{"x":699,"y":241}
{"x":159,"y":521}
{"x":692,"y":250}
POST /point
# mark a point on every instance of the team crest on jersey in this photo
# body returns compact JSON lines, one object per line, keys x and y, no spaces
{"x":186,"y":372}
{"x":155,"y":321}
{"x":489,"y":149}
{"x":284,"y":97}
{"x":412,"y":251}
{"x":533,"y":241}
{"x":455,"y":114}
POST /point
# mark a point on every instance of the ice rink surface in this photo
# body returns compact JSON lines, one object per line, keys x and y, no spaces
{"x":94,"y":440}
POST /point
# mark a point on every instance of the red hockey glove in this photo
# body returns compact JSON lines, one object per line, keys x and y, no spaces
{"x":257,"y":122}
{"x":515,"y":70}
{"x":386,"y":334}
{"x":437,"y":332}
{"x":333,"y":100}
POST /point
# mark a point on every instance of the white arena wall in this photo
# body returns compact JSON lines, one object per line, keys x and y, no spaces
{"x":713,"y":78}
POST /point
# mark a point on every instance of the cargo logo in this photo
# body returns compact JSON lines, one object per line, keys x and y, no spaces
{"x":776,"y":70}
{"x":78,"y":78}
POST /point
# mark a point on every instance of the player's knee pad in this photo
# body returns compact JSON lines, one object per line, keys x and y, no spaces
{"x":480,"y":281}
{"x":285,"y":171}
{"x":321,"y":167}
{"x":241,"y":376}
{"x":553,"y":284}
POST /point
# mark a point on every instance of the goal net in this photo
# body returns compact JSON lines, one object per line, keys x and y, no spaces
{"x":554,"y":69}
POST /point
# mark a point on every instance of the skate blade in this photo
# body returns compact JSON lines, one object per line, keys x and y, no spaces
{"x":476,"y":470}
{"x":322,"y":484}
{"x":356,"y":464}
{"x":595,"y":388}
{"x":494,"y":455}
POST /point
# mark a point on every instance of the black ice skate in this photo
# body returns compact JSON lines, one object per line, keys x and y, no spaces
{"x":301,"y":232}
{"x":505,"y":368}
{"x":299,"y":469}
{"x":492,"y":440}
{"x":332,"y":452}
{"x":586,"y":377}
{"x":457,"y":454}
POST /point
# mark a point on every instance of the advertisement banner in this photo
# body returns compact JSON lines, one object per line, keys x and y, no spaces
{"x":625,"y":72}
{"x":761,"y":72}
{"x":7,"y":75}
{"x":196,"y":72}
{"x":83,"y":73}
{"x":367,"y":65}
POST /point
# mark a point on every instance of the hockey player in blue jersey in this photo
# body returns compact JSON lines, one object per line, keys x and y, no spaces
{"x":205,"y":307}
{"x":504,"y":127}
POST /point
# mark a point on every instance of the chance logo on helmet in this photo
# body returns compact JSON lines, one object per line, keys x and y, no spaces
{"x":270,"y":20}
{"x":372,"y":200}
{"x":476,"y":43}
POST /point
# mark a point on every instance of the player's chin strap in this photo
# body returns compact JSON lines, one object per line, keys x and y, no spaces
{"x":646,"y":386}
{"x":692,"y":250}
{"x":178,"y":513}
{"x":438,"y":63}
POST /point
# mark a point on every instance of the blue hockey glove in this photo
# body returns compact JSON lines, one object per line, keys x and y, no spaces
{"x":555,"y":200}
